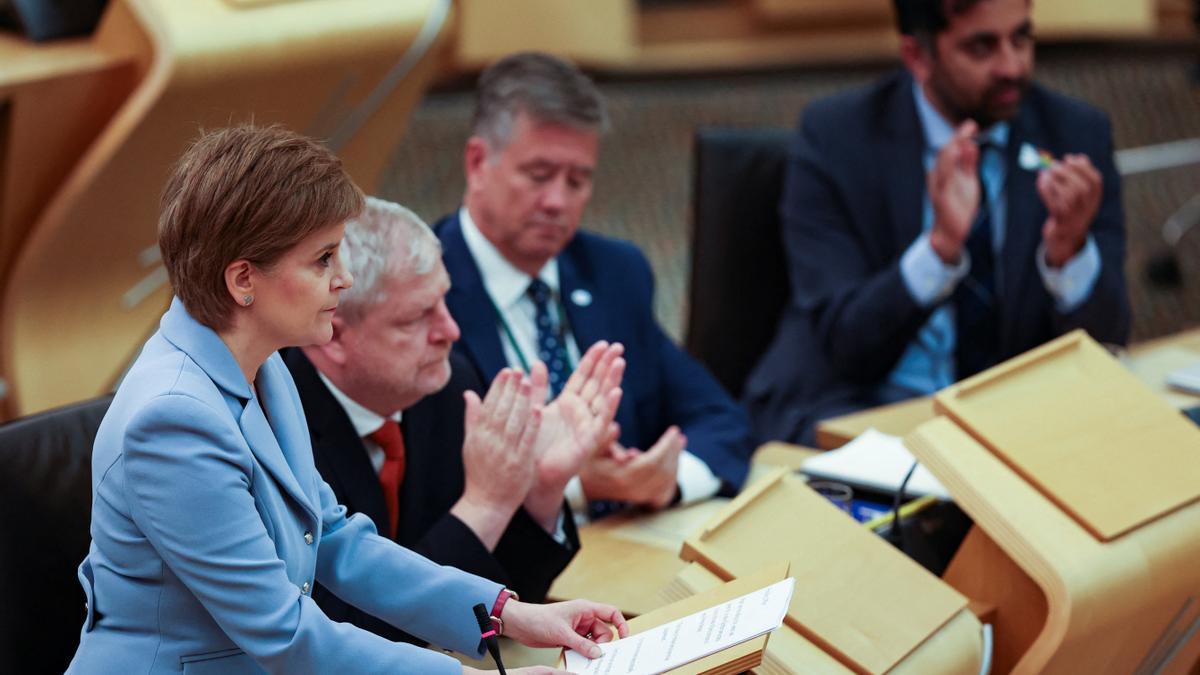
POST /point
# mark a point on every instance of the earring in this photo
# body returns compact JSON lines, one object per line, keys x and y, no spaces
{"x":247,"y":299}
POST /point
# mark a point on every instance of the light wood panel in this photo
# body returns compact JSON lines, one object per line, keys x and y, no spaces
{"x":1083,"y":429}
{"x":56,"y":98}
{"x":1149,"y":361}
{"x":593,"y":33}
{"x":626,"y":559}
{"x":705,"y":35}
{"x":1108,"y":605}
{"x":872,"y":607}
{"x":790,"y":653}
{"x":981,"y":571}
{"x":87,"y":288}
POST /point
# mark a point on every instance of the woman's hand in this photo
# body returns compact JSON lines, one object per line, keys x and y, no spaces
{"x":576,"y":624}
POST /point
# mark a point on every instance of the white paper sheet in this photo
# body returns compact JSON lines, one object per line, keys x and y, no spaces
{"x":875,"y":460}
{"x":693,"y":637}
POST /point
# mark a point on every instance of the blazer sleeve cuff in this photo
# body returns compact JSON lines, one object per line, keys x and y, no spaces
{"x":450,"y":542}
{"x":1071,"y":285}
{"x":696,"y":481}
{"x":928,"y":279}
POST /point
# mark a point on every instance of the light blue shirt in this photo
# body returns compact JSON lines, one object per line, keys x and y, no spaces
{"x":927,"y":365}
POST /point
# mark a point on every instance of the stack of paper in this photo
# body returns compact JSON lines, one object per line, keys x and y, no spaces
{"x":877,"y":461}
{"x":693,"y":637}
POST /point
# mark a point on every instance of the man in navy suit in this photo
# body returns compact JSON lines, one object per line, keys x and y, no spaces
{"x":528,"y":285}
{"x":464,"y":495}
{"x":941,"y":220}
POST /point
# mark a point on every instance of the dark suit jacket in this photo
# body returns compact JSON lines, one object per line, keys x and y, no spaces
{"x":663,"y":385}
{"x":852,"y":205}
{"x":527,"y":558}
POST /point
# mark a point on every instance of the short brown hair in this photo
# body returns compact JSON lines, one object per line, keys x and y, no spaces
{"x":545,"y":87}
{"x":248,"y":193}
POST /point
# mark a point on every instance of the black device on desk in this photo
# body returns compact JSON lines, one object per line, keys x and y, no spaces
{"x":930,"y":536}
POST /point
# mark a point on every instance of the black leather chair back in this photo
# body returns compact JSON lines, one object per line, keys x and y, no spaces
{"x":45,"y":519}
{"x":739,"y":273}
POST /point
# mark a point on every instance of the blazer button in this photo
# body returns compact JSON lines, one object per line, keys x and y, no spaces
{"x":304,"y":588}
{"x":308,"y":538}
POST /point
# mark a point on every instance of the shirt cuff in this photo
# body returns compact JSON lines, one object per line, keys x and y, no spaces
{"x":696,"y":480}
{"x":1071,"y":284}
{"x":560,"y":532}
{"x":577,"y":500}
{"x":929,"y":280}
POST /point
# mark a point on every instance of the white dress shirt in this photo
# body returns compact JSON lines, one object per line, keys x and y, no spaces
{"x":507,"y":287}
{"x":367,"y":422}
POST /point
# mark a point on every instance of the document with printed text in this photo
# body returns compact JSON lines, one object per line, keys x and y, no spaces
{"x":693,"y":637}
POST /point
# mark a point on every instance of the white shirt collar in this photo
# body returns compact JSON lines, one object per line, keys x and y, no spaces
{"x":504,"y":282}
{"x":365,"y":421}
{"x":938,"y":130}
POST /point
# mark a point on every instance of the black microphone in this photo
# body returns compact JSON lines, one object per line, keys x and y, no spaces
{"x":487,"y":633}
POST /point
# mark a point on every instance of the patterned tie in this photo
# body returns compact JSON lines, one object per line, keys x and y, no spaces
{"x":551,"y":349}
{"x":391,"y":474}
{"x":977,"y":320}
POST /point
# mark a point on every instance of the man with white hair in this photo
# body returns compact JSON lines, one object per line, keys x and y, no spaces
{"x":384,"y":401}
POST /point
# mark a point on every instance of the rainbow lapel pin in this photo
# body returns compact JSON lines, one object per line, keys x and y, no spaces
{"x":1034,"y":159}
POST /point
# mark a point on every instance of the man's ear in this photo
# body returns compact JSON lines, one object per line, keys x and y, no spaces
{"x":917,"y":56}
{"x":239,"y":281}
{"x":475,"y":156}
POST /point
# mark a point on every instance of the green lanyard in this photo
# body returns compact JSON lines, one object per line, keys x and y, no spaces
{"x":512,"y":340}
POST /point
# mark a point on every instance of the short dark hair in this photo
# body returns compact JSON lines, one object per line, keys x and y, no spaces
{"x":545,"y":87}
{"x":249,"y":193}
{"x":925,"y":18}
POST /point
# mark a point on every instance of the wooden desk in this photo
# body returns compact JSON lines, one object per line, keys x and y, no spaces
{"x":1153,"y":360}
{"x":1150,"y":361}
{"x":627,"y":560}
{"x":896,"y":419}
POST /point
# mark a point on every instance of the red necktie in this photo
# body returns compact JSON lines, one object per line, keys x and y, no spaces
{"x":392,"y":473}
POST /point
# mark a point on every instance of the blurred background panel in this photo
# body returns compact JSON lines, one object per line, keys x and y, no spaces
{"x":703,"y":35}
{"x":90,"y":125}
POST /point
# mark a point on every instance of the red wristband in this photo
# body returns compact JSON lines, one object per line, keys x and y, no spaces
{"x":498,"y":609}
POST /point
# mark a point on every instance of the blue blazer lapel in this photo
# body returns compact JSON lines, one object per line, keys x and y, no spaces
{"x":904,"y":148}
{"x":211,"y":354}
{"x":582,"y":302}
{"x":1024,"y":218}
{"x":469,"y":302}
{"x":336,"y":446}
{"x":266,"y":448}
{"x":282,"y":407}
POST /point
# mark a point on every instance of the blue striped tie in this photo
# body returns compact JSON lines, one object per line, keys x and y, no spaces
{"x":551,"y":349}
{"x":977,"y":321}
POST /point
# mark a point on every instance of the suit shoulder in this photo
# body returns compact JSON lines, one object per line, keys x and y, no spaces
{"x":852,"y":110}
{"x":463,"y":376}
{"x":1072,"y":123}
{"x":1068,"y":108}
{"x":609,"y":250}
{"x":439,"y":226}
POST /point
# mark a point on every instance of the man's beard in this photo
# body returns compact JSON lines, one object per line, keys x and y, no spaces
{"x":985,"y":111}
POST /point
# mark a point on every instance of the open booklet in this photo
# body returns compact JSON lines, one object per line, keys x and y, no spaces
{"x":877,"y":461}
{"x":673,"y":644}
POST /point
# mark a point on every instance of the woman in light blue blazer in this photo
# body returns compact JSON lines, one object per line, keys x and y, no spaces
{"x":210,"y":524}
